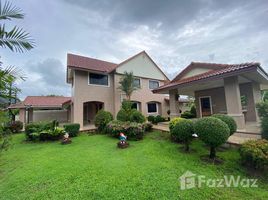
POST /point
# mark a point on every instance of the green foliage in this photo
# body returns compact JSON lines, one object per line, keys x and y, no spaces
{"x":102,"y":118}
{"x":265,"y":95}
{"x":174,"y":121}
{"x":43,"y":131}
{"x":127,"y":84}
{"x":264,"y":127}
{"x":72,"y":129}
{"x":262,"y":108}
{"x":133,"y":130}
{"x":228,"y":120}
{"x":183,"y":131}
{"x":189,"y":114}
{"x":212,"y":131}
{"x":156,"y":119}
{"x":122,"y":115}
{"x":127,"y":105}
{"x":148,"y":126}
{"x":14,"y":127}
{"x":254,"y":153}
{"x":137,"y":116}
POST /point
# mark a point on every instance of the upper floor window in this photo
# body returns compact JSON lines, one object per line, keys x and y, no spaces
{"x":137,"y":82}
{"x":153,"y":84}
{"x":98,"y":79}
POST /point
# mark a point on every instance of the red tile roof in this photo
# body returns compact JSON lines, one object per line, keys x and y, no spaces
{"x":82,"y":62}
{"x":223,"y":69}
{"x":42,"y":101}
{"x":87,"y":63}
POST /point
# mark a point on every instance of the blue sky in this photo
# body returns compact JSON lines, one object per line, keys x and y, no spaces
{"x":173,"y":32}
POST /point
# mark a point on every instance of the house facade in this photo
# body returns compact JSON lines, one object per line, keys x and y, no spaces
{"x":95,"y":86}
{"x":232,"y":89}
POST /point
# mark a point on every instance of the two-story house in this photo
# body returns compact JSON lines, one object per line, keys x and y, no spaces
{"x":95,"y":86}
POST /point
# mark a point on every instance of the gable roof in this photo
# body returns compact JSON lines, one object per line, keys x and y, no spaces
{"x":81,"y":62}
{"x":222,"y":71}
{"x":42,"y":101}
{"x":86,"y":63}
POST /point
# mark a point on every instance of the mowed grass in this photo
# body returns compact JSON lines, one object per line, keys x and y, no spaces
{"x":93,"y":168}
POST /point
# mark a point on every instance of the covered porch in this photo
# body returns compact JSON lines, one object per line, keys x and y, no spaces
{"x":232,"y":90}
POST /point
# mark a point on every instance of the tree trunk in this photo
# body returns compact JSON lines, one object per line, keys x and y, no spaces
{"x":212,"y":152}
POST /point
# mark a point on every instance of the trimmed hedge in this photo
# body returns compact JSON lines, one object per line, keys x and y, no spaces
{"x":212,"y":131}
{"x":137,"y":116}
{"x":72,"y":129}
{"x":156,"y":119}
{"x":228,"y":120}
{"x":102,"y":118}
{"x":174,"y":121}
{"x":183,"y":131}
{"x":262,"y":108}
{"x":254,"y":153}
{"x":133,"y":130}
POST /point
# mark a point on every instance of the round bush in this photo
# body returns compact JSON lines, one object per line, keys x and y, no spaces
{"x":102,"y":118}
{"x":229,"y":121}
{"x":214,"y":132}
{"x":136,"y":116}
{"x":72,"y":129}
{"x":122,"y":115}
{"x":151,"y":118}
{"x":174,"y":121}
{"x":183,"y":131}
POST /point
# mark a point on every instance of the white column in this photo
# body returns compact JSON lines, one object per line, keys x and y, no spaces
{"x":233,"y":101}
{"x":173,"y":103}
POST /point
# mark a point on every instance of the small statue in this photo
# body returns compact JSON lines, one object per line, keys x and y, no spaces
{"x":66,"y":139}
{"x":122,"y":143}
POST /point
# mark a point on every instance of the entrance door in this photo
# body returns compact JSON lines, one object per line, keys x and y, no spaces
{"x":205,"y":106}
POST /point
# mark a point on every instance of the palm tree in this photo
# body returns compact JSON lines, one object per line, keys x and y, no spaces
{"x":127,"y":84}
{"x":15,"y":39}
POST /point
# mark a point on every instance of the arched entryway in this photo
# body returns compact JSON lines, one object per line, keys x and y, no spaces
{"x":90,"y":110}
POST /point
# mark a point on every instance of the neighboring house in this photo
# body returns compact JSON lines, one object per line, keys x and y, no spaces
{"x":95,"y":86}
{"x":218,"y":88}
{"x":43,"y":108}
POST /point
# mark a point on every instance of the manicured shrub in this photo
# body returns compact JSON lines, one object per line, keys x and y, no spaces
{"x":148,"y":126}
{"x":262,"y":108}
{"x":72,"y":129}
{"x":37,"y":127}
{"x":183,"y":131}
{"x":187,"y":115}
{"x":193,"y":111}
{"x":229,"y":121}
{"x":159,"y":118}
{"x":151,"y":118}
{"x":254,"y":153}
{"x":133,"y":130}
{"x":174,"y":121}
{"x":55,"y":134}
{"x":122,"y":115}
{"x":212,"y":131}
{"x":15,"y":126}
{"x":127,"y":105}
{"x":136,"y":116}
{"x":102,"y":118}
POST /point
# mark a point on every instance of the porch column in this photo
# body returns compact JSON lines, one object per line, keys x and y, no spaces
{"x":22,"y":115}
{"x":30,"y":115}
{"x":78,"y":112}
{"x":233,"y":101}
{"x":256,"y":97}
{"x":173,"y":103}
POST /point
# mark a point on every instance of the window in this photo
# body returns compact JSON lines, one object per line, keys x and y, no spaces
{"x":153,"y":84}
{"x":137,"y":82}
{"x":98,"y":79}
{"x":135,"y":105}
{"x":152,"y":107}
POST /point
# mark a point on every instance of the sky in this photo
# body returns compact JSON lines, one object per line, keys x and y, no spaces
{"x":173,"y":32}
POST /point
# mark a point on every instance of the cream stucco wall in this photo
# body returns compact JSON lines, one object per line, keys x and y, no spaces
{"x":142,"y":95}
{"x":141,"y":66}
{"x":83,"y":92}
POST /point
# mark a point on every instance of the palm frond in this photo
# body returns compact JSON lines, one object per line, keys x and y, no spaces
{"x":16,"y":40}
{"x":12,"y":71}
{"x":8,"y":11}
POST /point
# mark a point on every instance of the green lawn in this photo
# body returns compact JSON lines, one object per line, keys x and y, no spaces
{"x":93,"y":168}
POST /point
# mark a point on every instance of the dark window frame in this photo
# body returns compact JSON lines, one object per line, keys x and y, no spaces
{"x":154,"y":82}
{"x":90,"y":82}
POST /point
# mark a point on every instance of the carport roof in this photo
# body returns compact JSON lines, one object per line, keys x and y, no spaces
{"x":42,"y":102}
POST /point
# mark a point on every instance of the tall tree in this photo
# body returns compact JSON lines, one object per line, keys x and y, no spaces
{"x":127,"y":84}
